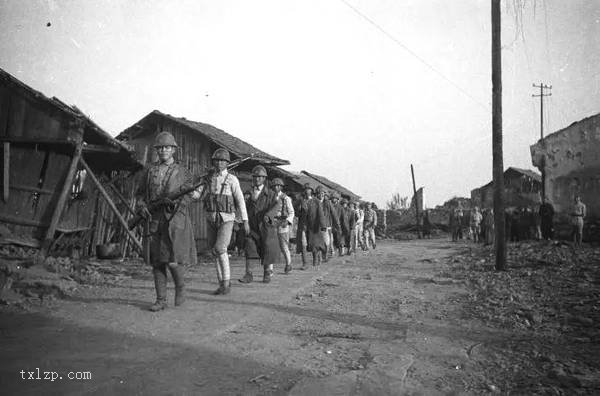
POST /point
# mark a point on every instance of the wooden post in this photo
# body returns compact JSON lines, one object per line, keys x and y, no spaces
{"x":121,"y":197}
{"x":6,"y":177}
{"x":62,"y":198}
{"x":111,"y":204}
{"x":412,"y":172}
{"x":497,"y":160}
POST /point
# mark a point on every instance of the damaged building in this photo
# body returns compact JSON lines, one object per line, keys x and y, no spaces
{"x":522,"y":188}
{"x":569,"y":159}
{"x":54,"y":160}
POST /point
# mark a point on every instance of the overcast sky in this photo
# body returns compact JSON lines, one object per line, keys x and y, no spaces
{"x":354,"y":90}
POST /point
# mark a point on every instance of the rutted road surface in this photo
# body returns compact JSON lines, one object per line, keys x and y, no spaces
{"x":381,"y":322}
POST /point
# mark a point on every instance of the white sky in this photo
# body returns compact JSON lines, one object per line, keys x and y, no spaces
{"x":313,"y":82}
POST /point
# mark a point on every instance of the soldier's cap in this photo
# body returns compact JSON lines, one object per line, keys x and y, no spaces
{"x":308,"y":187}
{"x":319,"y":190}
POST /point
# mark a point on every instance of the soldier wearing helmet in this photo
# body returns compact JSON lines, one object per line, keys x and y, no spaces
{"x":281,"y":217}
{"x":346,"y":225}
{"x":331,"y":220}
{"x":171,"y":239}
{"x":301,"y":212}
{"x":258,"y":246}
{"x":223,"y":198}
{"x":335,"y":233}
{"x":370,"y":222}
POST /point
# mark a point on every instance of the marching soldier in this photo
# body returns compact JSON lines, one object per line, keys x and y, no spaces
{"x":259,"y":242}
{"x":331,"y":221}
{"x":347,"y":226}
{"x":281,"y":216}
{"x":369,"y":226}
{"x":359,"y":218}
{"x":171,"y":239}
{"x":223,"y":197}
{"x":336,"y":230}
{"x":301,"y":213}
{"x":316,"y":227}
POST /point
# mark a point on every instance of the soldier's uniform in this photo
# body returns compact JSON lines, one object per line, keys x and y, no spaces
{"x":336,"y":229}
{"x":262,"y":243}
{"x":369,"y":227}
{"x":316,"y":229}
{"x":301,"y":212}
{"x":171,"y":237}
{"x":223,"y":198}
{"x":347,"y":226}
{"x":281,"y":216}
{"x":357,"y":234}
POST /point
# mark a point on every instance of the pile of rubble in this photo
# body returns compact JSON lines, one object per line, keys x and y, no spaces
{"x":28,"y":281}
{"x":549,"y":299}
{"x":549,"y":286}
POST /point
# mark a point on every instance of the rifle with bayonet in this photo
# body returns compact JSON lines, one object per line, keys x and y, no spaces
{"x":168,"y":200}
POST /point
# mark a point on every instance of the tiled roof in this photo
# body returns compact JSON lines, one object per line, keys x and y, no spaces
{"x":221,"y":138}
{"x":332,"y":185}
{"x":535,"y":176}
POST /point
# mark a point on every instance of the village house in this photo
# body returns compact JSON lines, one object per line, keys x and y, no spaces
{"x":569,"y":159}
{"x":522,"y":188}
{"x":197,"y":141}
{"x":54,"y":161}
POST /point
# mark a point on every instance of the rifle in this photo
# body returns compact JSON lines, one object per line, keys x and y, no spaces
{"x":168,"y":199}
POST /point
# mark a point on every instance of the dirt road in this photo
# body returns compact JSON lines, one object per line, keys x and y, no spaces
{"x":382,"y":322}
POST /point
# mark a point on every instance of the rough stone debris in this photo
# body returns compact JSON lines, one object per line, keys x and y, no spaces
{"x":549,"y":299}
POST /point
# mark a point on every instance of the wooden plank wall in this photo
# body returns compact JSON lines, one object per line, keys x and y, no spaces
{"x":37,"y":171}
{"x":195,"y":153}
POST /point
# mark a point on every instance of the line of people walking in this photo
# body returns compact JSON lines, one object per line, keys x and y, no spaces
{"x":328,"y":225}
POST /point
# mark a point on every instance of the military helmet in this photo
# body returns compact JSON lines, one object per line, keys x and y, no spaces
{"x":164,"y":139}
{"x":259,"y":170}
{"x":277,"y":182}
{"x":221,"y":154}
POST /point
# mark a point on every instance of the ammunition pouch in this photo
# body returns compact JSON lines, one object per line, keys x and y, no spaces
{"x":220,"y":203}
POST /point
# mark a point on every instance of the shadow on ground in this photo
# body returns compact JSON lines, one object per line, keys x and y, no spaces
{"x":121,"y":363}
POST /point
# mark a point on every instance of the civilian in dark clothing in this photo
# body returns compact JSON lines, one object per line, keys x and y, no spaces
{"x":547,"y":215}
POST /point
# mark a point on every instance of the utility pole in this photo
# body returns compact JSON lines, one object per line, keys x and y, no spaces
{"x":498,"y":165}
{"x":412,"y":172}
{"x":542,"y":86}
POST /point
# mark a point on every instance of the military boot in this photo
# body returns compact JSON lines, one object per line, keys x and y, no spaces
{"x":248,"y":278}
{"x":221,"y":288}
{"x":288,"y":269}
{"x":160,"y":283}
{"x":226,"y":287}
{"x":267,"y":275}
{"x":177,"y":274}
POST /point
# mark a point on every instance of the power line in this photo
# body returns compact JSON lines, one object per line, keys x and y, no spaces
{"x":414,"y":54}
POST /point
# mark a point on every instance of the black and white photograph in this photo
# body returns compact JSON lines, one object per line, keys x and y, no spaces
{"x":300,"y":197}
